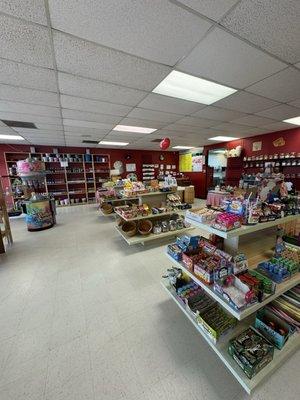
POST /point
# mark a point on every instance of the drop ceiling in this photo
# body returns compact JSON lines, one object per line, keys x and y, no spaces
{"x":77,"y":71}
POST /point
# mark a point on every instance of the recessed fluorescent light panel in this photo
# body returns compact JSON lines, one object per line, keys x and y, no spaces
{"x":12,"y":137}
{"x":106,"y":143}
{"x":135,"y":129}
{"x":183,"y":147}
{"x":295,"y":120}
{"x":188,"y":87}
{"x":223,"y":138}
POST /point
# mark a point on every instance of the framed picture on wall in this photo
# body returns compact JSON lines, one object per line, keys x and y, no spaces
{"x":256,"y":146}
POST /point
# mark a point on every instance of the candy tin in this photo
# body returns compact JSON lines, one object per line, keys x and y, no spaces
{"x":251,"y":351}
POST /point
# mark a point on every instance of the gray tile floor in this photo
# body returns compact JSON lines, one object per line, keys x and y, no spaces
{"x":83,"y":317}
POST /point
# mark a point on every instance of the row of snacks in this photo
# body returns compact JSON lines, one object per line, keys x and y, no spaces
{"x":146,"y":226}
{"x":235,"y":212}
{"x":229,"y":276}
{"x":275,"y":156}
{"x":253,"y":348}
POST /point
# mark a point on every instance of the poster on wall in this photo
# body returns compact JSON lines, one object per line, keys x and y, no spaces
{"x":131,"y":167}
{"x":197,"y":162}
{"x":185,"y":162}
{"x":256,"y":146}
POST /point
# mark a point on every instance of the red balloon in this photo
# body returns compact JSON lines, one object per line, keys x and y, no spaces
{"x":165,"y":144}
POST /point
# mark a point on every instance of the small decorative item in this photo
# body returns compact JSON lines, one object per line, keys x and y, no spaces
{"x":256,"y":146}
{"x":165,"y":144}
{"x":279,"y":142}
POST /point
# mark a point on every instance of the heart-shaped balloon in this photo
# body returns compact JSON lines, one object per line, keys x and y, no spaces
{"x":165,"y":144}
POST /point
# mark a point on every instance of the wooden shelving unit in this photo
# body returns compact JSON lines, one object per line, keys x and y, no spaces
{"x":79,"y":180}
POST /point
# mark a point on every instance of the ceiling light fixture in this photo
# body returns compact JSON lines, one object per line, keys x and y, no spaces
{"x":295,"y":121}
{"x":107,"y":143}
{"x":188,"y":87}
{"x":223,"y":138}
{"x":135,"y":129}
{"x":183,"y":147}
{"x":12,"y":137}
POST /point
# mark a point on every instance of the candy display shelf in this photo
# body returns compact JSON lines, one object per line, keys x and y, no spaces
{"x":149,"y":216}
{"x":88,"y":168}
{"x":240,"y":315}
{"x":220,"y":348}
{"x":231,"y":238}
{"x":139,"y":239}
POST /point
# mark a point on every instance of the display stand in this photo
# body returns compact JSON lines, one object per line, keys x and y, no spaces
{"x":6,"y":233}
{"x":231,"y":238}
{"x":246,"y":316}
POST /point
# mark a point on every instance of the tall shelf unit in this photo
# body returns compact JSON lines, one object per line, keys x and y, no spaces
{"x":245,"y":317}
{"x":73,"y":184}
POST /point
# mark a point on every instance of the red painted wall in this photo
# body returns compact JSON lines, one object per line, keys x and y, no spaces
{"x":137,"y":156}
{"x":235,"y":165}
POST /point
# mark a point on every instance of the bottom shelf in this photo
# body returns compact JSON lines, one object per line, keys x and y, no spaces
{"x":142,"y":239}
{"x":221,"y":350}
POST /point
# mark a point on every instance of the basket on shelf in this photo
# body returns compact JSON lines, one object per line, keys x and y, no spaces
{"x":145,"y":227}
{"x":107,"y":209}
{"x":119,"y":221}
{"x":129,"y":228}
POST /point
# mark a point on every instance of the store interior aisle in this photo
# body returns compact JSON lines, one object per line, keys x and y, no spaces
{"x":83,"y":317}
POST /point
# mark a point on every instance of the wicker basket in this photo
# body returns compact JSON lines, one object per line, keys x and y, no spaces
{"x":120,"y":221}
{"x":129,"y":228}
{"x":145,"y":227}
{"x":107,"y":209}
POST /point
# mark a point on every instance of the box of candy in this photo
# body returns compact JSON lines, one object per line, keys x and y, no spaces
{"x":188,"y":243}
{"x":266,"y":284}
{"x":226,"y":222}
{"x":216,"y":321}
{"x":273,"y":328}
{"x":201,"y":215}
{"x":235,"y":292}
{"x":240,"y":263}
{"x":189,"y":259}
{"x":235,"y":206}
{"x":174,"y":251}
{"x":291,"y":265}
{"x":251,"y":351}
{"x":278,"y":273}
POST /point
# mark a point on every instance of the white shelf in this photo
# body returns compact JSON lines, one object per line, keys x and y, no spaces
{"x":139,"y":239}
{"x":147,"y":216}
{"x":280,"y":288}
{"x":220,"y":348}
{"x":122,"y":199}
{"x":244,"y":230}
{"x":156,"y":193}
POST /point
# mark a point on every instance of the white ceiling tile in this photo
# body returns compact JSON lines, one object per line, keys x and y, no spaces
{"x":10,"y":106}
{"x":92,"y":89}
{"x":218,"y":114}
{"x":230,"y":61}
{"x":142,"y":122}
{"x":273,"y":25}
{"x":183,"y":128}
{"x":17,"y":74}
{"x":283,"y":86}
{"x":25,"y":95}
{"x":29,"y":118}
{"x":213,"y":9}
{"x":153,"y":115}
{"x":77,"y":103}
{"x":279,"y":126}
{"x":89,"y":131}
{"x":5,"y":129}
{"x":86,"y":124}
{"x":162,"y":103}
{"x":123,"y":136}
{"x":87,"y":116}
{"x":201,"y":123}
{"x":295,"y":103}
{"x":31,"y":10}
{"x":156,"y":30}
{"x":246,"y":102}
{"x":281,"y":112}
{"x":24,"y":42}
{"x":58,"y":127}
{"x":253,"y":120}
{"x":231,"y":126}
{"x":92,"y":61}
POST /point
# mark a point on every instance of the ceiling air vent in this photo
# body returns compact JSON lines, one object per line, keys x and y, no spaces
{"x":90,"y":141}
{"x":156,"y":140}
{"x":19,"y":124}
